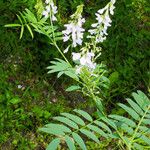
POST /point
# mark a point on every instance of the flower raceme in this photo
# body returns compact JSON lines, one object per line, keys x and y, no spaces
{"x":99,"y":31}
{"x":50,"y":10}
{"x":74,"y":28}
{"x":85,"y":60}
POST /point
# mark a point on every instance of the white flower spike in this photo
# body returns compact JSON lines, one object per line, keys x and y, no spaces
{"x":74,"y":29}
{"x":50,"y":9}
{"x":99,"y":31}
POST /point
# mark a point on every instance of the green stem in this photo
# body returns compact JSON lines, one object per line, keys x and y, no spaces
{"x":138,"y":126}
{"x":54,"y":40}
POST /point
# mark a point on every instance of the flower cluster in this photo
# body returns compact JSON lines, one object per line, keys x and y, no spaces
{"x":99,"y":31}
{"x":85,"y":60}
{"x":50,"y":9}
{"x":74,"y":29}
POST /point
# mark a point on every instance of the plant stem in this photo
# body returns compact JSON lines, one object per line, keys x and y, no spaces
{"x":54,"y":40}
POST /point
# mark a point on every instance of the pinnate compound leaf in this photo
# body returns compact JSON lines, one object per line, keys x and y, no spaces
{"x":75,"y":118}
{"x":67,"y":122}
{"x":84,"y":114}
{"x":70,"y":143}
{"x":54,"y":144}
{"x":90,"y":135}
{"x":79,"y":140}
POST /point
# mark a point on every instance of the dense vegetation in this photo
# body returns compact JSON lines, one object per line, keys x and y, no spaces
{"x":29,"y":97}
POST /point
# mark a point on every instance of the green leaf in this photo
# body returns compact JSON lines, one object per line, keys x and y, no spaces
{"x":145,"y":139}
{"x":30,"y":16}
{"x":73,"y":88}
{"x":71,"y":74}
{"x":12,"y":25}
{"x":52,"y":131}
{"x":67,"y":122}
{"x":75,"y":118}
{"x":90,"y":135}
{"x":79,"y":140}
{"x":22,"y":30}
{"x":31,"y":33}
{"x":123,"y":119}
{"x":144,"y":97}
{"x":15,"y":101}
{"x":97,"y":130}
{"x":54,"y":144}
{"x":70,"y":142}
{"x":130,"y":111}
{"x":60,"y":74}
{"x":135,"y":107}
{"x":110,"y":122}
{"x":138,"y":147}
{"x":145,"y":129}
{"x":126,"y":128}
{"x":20,"y":19}
{"x":104,"y":126}
{"x":84,"y":114}
{"x":58,"y":127}
{"x":146,"y":121}
{"x":139,"y":99}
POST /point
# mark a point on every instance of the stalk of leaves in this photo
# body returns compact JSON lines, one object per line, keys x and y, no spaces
{"x":133,"y":130}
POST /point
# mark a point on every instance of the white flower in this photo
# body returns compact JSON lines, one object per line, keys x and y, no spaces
{"x":75,"y":31}
{"x":47,"y":8}
{"x":99,"y":31}
{"x":19,"y":86}
{"x":76,"y":56}
{"x":50,"y":9}
{"x":112,"y":7}
{"x":83,"y":61}
{"x":45,"y":14}
{"x":113,"y":1}
{"x":66,"y":50}
{"x":74,"y":28}
{"x":86,"y":60}
{"x":47,"y":1}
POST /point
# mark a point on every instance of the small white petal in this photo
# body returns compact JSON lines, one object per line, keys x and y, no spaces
{"x":100,"y":11}
{"x":113,"y":1}
{"x":66,"y":50}
{"x":47,"y":1}
{"x":65,"y":38}
{"x":47,"y":8}
{"x":83,"y":60}
{"x":76,"y":56}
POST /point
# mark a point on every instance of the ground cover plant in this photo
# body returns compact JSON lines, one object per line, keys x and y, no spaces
{"x":27,"y":92}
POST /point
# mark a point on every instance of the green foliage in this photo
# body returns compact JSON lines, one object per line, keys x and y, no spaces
{"x":24,"y":109}
{"x":62,"y":67}
{"x":126,"y":51}
{"x":133,"y":131}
